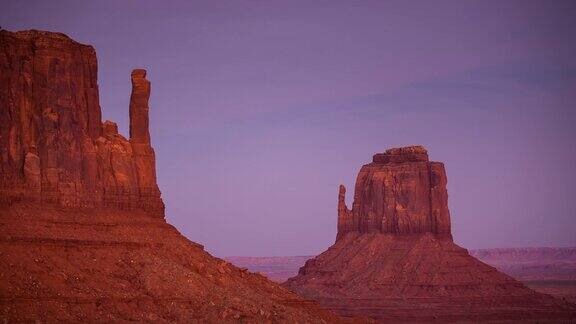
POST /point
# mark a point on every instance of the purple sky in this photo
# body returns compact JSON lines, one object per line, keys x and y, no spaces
{"x":260,"y":109}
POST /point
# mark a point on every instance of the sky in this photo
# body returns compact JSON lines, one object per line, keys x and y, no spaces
{"x":260,"y":109}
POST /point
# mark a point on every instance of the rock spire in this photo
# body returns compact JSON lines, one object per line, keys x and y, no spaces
{"x":139,"y":119}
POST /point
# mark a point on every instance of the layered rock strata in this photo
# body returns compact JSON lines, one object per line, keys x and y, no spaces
{"x":394,"y":258}
{"x":54,"y":147}
{"x":82,"y":231}
{"x":400,"y":192}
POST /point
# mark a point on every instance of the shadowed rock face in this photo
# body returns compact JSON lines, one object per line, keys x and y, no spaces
{"x":394,"y":258}
{"x":399,"y":192}
{"x":82,"y":231}
{"x":55,"y":148}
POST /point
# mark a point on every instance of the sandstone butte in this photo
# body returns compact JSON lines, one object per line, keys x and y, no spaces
{"x":394,"y":258}
{"x":83,"y":236}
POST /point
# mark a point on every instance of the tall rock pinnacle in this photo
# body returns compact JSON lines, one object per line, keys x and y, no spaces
{"x":139,"y":120}
{"x":140,"y":134}
{"x":400,"y":192}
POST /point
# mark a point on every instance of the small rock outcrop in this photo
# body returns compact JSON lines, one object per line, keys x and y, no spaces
{"x":394,"y":258}
{"x":55,"y":148}
{"x":400,"y":192}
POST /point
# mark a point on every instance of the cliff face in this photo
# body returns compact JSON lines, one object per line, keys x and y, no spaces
{"x":54,"y":147}
{"x":400,"y":192}
{"x":394,"y":258}
{"x":82,"y":232}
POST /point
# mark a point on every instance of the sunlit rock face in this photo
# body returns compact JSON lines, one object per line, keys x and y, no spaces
{"x":55,"y":148}
{"x":394,"y":258}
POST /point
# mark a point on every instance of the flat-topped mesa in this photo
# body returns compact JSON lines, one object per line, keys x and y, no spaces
{"x":54,"y":148}
{"x":394,"y":258}
{"x":400,"y":192}
{"x":415,"y":153}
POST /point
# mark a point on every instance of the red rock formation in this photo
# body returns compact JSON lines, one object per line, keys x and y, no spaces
{"x":399,"y":192}
{"x":82,"y":230}
{"x":139,"y":108}
{"x":394,"y":258}
{"x":55,"y":148}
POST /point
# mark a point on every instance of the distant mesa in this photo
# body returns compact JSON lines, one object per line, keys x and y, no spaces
{"x":394,"y":258}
